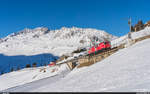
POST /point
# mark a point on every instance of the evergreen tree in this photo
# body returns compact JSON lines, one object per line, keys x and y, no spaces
{"x":34,"y":64}
{"x":2,"y":72}
{"x":12,"y":69}
{"x":18,"y":68}
{"x":28,"y":66}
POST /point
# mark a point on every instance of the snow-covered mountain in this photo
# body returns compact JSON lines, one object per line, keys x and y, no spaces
{"x":126,"y":70}
{"x":42,"y":45}
{"x":57,"y":42}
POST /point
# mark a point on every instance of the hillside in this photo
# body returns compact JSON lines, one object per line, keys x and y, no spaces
{"x":134,"y":35}
{"x":125,"y":70}
{"x":57,"y":42}
{"x":30,"y":75}
{"x":42,"y":45}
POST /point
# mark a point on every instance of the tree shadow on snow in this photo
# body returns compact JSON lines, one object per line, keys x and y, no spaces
{"x":20,"y":61}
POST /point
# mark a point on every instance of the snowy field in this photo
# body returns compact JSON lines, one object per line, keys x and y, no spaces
{"x":126,"y":70}
{"x":27,"y":75}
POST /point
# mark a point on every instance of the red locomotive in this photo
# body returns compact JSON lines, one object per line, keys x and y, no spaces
{"x":100,"y":47}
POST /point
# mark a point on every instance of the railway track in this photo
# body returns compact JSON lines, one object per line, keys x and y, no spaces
{"x":87,"y":60}
{"x":89,"y":56}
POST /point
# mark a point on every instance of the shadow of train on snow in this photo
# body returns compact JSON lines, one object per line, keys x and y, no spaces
{"x":8,"y":62}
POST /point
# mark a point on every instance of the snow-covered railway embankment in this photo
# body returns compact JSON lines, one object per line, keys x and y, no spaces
{"x":89,"y":60}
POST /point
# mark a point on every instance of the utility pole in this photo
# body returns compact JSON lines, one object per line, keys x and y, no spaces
{"x":129,"y":34}
{"x":129,"y":40}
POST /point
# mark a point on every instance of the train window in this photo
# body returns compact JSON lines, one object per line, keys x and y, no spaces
{"x":107,"y":42}
{"x":96,"y":46}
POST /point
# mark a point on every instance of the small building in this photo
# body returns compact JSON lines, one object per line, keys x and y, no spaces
{"x":53,"y":63}
{"x":139,"y":26}
{"x":147,"y":24}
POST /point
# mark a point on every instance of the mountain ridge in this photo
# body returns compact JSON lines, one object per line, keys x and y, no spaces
{"x":39,"y":37}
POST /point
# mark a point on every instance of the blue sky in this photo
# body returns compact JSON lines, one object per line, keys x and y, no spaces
{"x":109,"y":15}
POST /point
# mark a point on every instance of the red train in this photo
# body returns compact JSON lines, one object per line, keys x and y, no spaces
{"x":100,"y":47}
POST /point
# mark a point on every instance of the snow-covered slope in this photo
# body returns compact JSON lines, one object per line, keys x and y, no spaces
{"x":57,"y":42}
{"x":27,"y":75}
{"x":134,"y":35}
{"x":126,"y":70}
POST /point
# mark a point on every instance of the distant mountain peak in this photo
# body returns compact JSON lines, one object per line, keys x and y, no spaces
{"x":41,"y":39}
{"x":41,"y":29}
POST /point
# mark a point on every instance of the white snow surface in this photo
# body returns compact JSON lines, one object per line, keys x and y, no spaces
{"x":134,"y":35}
{"x":27,"y":75}
{"x":126,"y":70}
